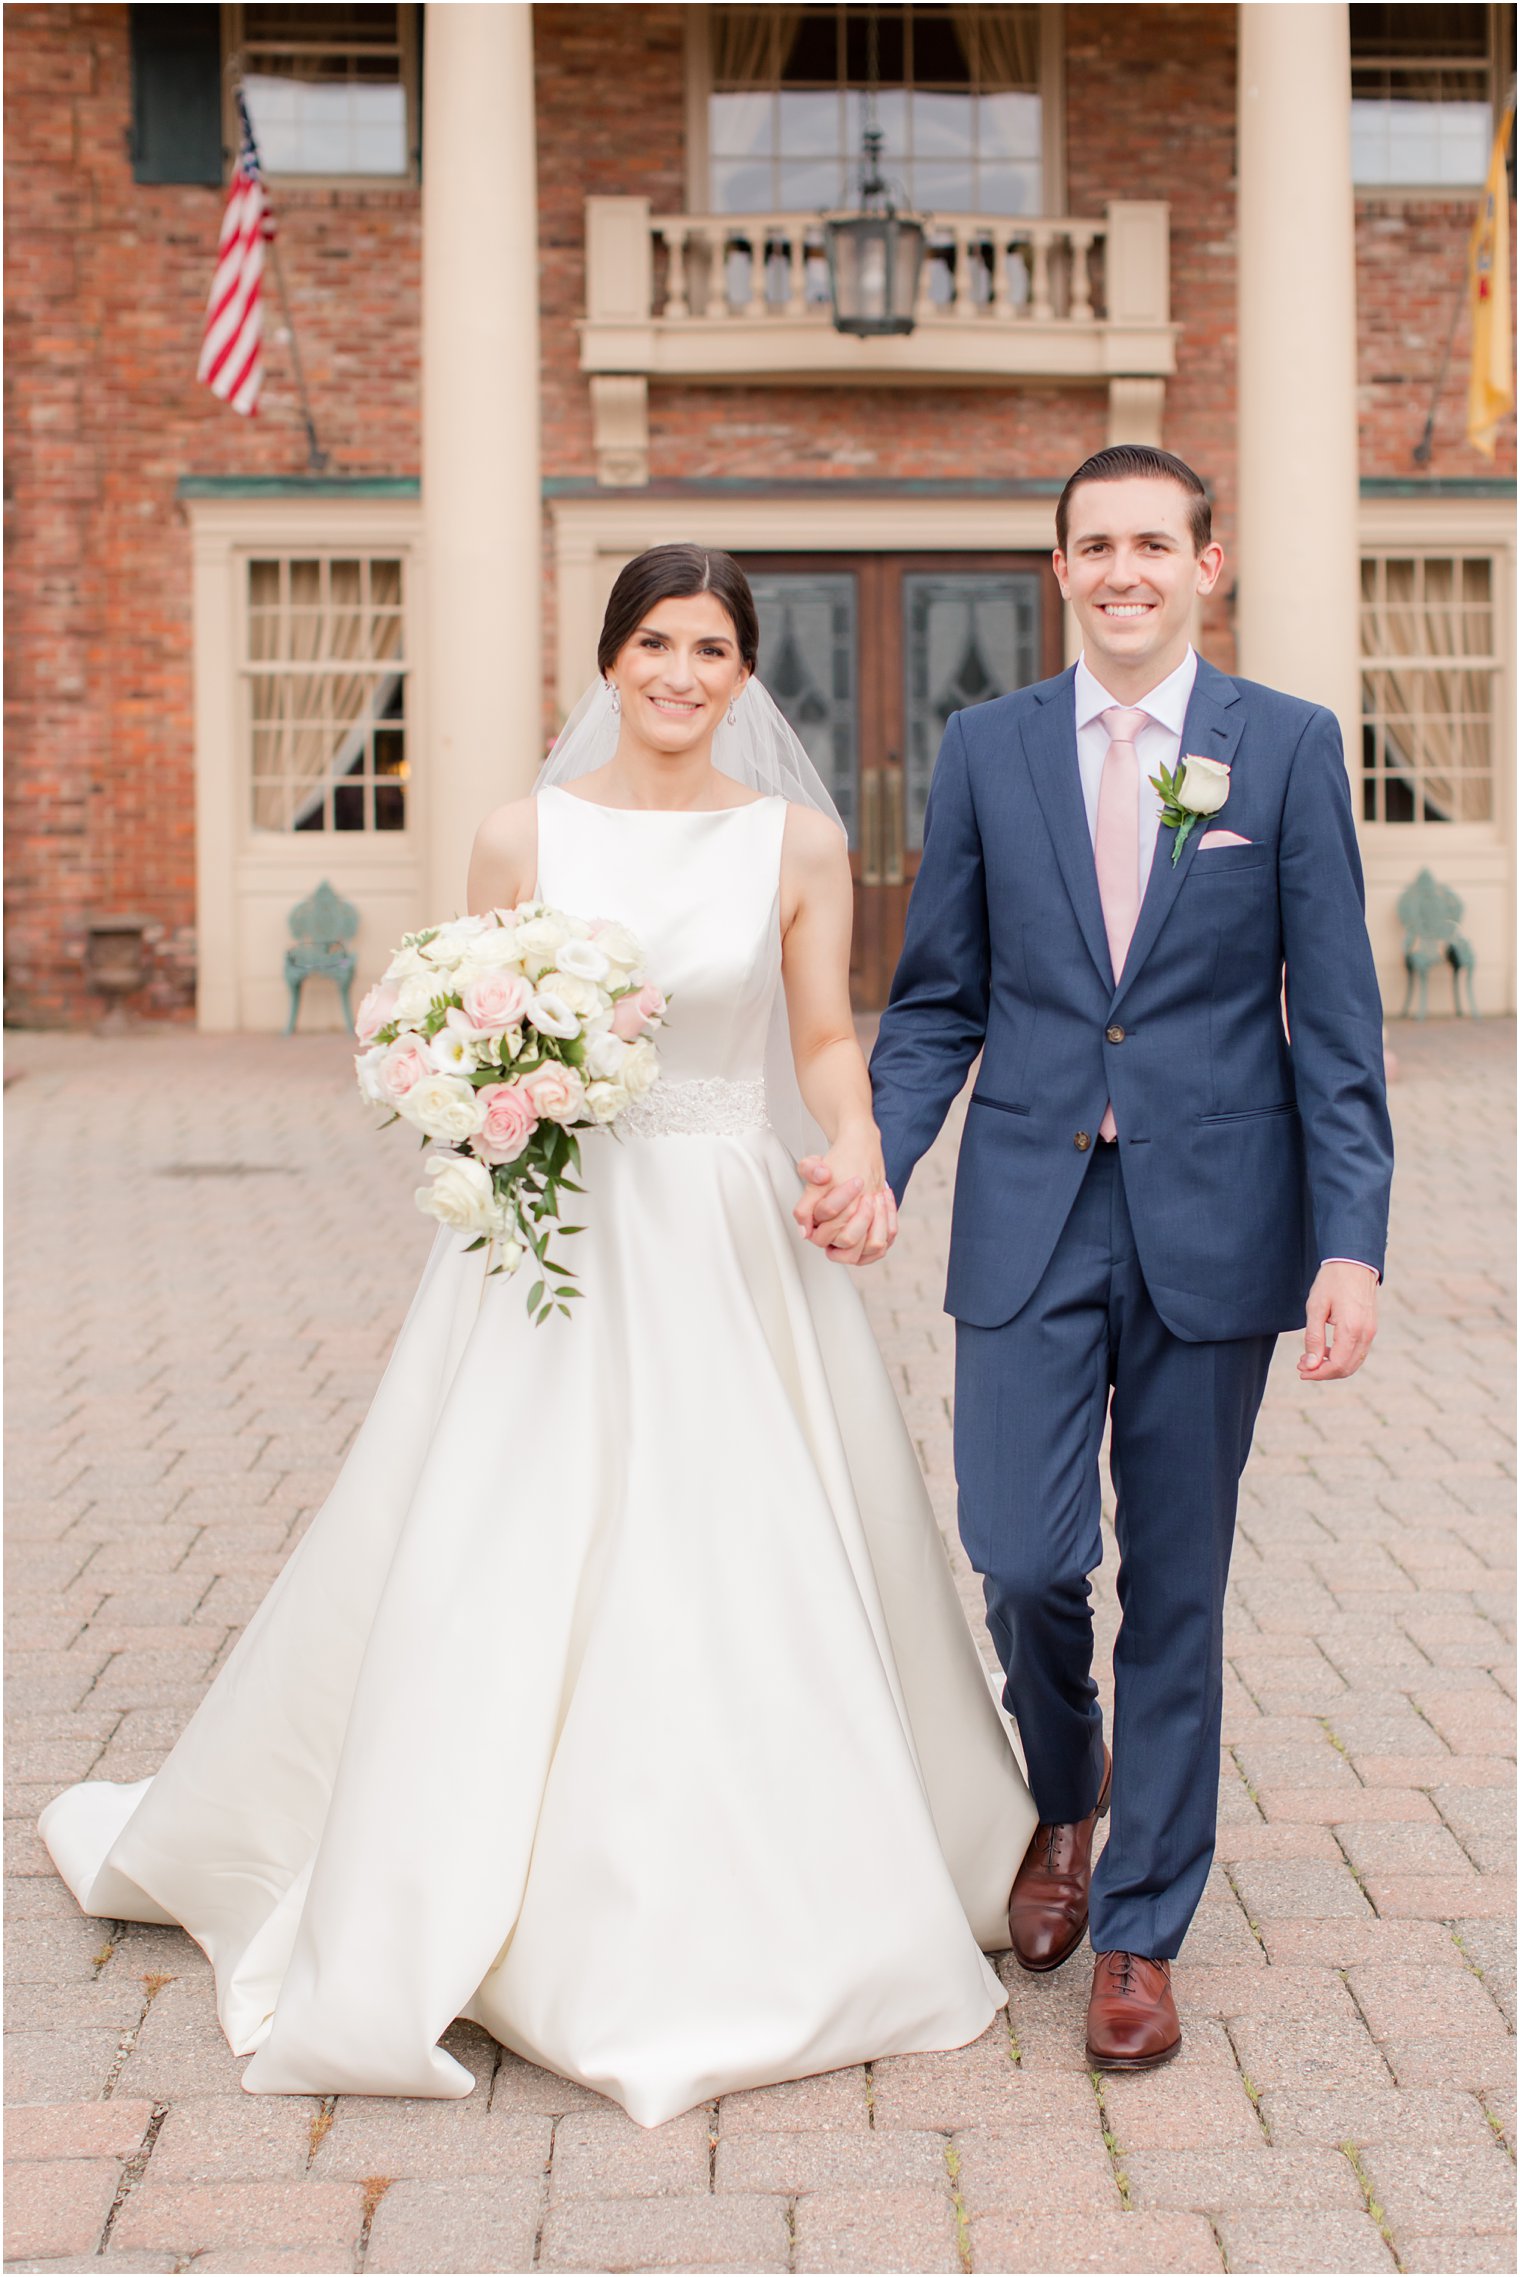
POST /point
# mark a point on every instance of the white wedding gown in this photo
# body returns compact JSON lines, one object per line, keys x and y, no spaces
{"x":619,"y":1697}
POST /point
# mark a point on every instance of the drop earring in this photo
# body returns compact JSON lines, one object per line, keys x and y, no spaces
{"x":733,"y":713}
{"x":617,"y":701}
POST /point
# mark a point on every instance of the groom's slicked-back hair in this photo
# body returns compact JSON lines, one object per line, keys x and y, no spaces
{"x":1120,"y":463}
{"x":674,"y":573}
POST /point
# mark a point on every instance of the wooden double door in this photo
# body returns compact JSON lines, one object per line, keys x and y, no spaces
{"x":868,"y":655}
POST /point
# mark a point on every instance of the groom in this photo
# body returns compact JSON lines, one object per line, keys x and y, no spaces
{"x":1154,"y":1183}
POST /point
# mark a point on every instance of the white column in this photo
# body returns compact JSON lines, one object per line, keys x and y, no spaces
{"x":1298,"y":563}
{"x":480,"y":428}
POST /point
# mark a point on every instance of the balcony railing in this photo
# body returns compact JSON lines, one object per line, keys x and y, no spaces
{"x":744,"y":298}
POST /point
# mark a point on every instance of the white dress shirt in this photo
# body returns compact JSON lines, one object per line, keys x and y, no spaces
{"x":1157,"y":744}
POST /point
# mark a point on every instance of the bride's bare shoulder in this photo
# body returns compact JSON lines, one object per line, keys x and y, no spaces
{"x":504,"y":862}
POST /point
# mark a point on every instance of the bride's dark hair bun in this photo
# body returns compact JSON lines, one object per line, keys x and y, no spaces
{"x":672,"y":573}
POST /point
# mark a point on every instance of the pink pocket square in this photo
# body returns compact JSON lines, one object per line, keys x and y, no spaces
{"x":1221,"y":838}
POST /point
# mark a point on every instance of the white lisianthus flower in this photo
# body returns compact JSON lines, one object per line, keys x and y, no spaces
{"x":1205,"y":784}
{"x":619,"y":947}
{"x":552,"y":1016}
{"x":605,"y":1054}
{"x":605,"y":1100}
{"x":583,"y":997}
{"x":584,"y":960}
{"x":461,"y":1194}
{"x":452,"y":1050}
{"x":367,"y":1069}
{"x":641,"y":1068}
{"x":510,"y":1256}
{"x":444,"y":1107}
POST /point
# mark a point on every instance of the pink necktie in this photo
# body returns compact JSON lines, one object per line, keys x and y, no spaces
{"x":1117,"y":845}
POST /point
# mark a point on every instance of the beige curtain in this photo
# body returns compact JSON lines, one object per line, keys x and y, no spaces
{"x":750,"y":44}
{"x":1002,"y":45}
{"x":329,"y":612}
{"x":1437,"y":719}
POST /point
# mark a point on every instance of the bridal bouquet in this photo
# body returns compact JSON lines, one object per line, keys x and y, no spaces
{"x":497,"y":1038}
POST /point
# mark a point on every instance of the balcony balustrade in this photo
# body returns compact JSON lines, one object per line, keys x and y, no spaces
{"x":744,"y":298}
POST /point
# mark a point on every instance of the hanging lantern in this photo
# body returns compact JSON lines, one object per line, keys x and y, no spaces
{"x":874,"y":255}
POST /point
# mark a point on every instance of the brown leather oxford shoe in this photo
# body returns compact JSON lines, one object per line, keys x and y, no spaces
{"x":1047,"y":1909}
{"x":1131,"y":2017}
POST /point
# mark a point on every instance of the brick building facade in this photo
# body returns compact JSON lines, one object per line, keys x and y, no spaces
{"x":112,"y":442}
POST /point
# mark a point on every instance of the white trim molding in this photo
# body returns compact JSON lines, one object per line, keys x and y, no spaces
{"x":246,"y":880}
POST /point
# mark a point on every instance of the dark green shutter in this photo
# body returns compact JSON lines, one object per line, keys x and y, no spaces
{"x":177,"y":94}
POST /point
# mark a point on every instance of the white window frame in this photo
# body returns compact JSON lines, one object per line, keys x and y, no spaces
{"x":1501,"y":66}
{"x":699,"y":87}
{"x":408,"y":37}
{"x":1478,"y":859}
{"x":247,"y":880}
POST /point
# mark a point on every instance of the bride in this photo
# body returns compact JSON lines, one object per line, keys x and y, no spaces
{"x":618,"y":1698}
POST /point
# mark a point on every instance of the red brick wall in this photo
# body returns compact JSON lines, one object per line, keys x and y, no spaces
{"x":1411,"y":262}
{"x":105,"y":287}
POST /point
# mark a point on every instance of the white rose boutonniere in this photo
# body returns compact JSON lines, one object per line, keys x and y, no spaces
{"x":1195,"y":787}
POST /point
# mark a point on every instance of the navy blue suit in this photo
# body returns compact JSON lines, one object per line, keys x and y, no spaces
{"x":1152,"y":1276}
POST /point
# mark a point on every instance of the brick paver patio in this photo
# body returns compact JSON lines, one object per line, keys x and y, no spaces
{"x":209,"y":1255}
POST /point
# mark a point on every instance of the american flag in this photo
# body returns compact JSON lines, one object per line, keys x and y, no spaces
{"x":232,"y":351}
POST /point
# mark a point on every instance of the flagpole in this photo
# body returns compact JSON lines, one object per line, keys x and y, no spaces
{"x":1426,"y":443}
{"x":316,"y":458}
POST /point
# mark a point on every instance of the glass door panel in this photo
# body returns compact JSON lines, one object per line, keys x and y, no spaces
{"x":968,"y":635}
{"x":809,"y":660}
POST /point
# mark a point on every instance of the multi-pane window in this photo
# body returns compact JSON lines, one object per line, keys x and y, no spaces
{"x":1422,"y":93}
{"x":1430,"y":671}
{"x":328,"y":88}
{"x":325,"y":673}
{"x":957,"y":96}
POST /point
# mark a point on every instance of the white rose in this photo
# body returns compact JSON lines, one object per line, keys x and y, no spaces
{"x":367,"y":1069}
{"x":605,"y":1054}
{"x":539,"y":941}
{"x":414,"y":997}
{"x":451,"y":941}
{"x":1205,"y":785}
{"x":492,"y":951}
{"x":605,"y":1100}
{"x":444,"y":1106}
{"x":406,"y":963}
{"x":552,"y":1016}
{"x":623,"y":952}
{"x":583,"y":997}
{"x":557,"y":1092}
{"x":584,"y":960}
{"x":640,"y":1069}
{"x":461,"y":1194}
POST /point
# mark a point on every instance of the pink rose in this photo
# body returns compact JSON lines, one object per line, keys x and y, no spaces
{"x":406,"y":1062}
{"x":378,"y":1007}
{"x":557,"y":1092}
{"x":495,"y":1000}
{"x":509,"y":1124}
{"x":637,"y":1015}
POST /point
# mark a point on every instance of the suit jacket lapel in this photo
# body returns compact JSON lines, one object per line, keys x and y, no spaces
{"x":1050,"y":740}
{"x":1213,"y":727}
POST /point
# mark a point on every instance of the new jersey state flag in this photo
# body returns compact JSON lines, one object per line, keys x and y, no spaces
{"x":1491,"y":382}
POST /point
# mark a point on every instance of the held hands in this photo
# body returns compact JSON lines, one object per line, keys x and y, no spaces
{"x":847,"y":1209}
{"x":1342,"y":1320}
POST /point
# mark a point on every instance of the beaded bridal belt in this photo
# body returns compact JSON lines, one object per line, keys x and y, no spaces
{"x":708,"y":1107}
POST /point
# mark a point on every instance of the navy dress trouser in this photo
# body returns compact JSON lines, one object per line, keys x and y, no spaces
{"x":1031,"y":1397}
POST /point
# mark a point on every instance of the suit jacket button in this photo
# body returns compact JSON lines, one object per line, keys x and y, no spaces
{"x":1114,"y":1035}
{"x":1082,"y":1142}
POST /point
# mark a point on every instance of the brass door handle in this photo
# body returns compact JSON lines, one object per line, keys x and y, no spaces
{"x":870,"y":826}
{"x":892,"y":831}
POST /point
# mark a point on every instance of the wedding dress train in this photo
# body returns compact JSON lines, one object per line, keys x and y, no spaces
{"x":618,"y":1697}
